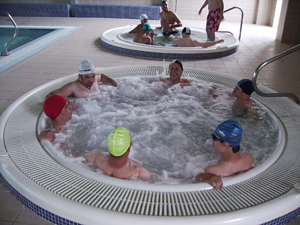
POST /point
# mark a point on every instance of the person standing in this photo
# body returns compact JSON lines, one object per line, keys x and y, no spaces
{"x":214,"y":17}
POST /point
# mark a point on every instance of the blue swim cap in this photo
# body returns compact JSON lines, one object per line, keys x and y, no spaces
{"x":230,"y":131}
{"x":146,"y":26}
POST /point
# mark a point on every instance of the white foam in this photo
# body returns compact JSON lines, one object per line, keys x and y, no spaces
{"x":170,"y":126}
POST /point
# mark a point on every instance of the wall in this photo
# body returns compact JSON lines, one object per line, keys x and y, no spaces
{"x":289,"y":22}
{"x":120,"y":2}
{"x":37,"y":1}
{"x":254,"y":10}
{"x":189,"y":10}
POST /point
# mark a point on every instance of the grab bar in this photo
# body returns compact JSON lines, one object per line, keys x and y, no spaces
{"x":242,"y":18}
{"x":15,"y":35}
{"x":287,"y":52}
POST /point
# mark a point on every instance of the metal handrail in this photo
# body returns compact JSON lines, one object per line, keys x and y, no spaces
{"x":241,"y":25}
{"x":287,"y":52}
{"x":15,"y":35}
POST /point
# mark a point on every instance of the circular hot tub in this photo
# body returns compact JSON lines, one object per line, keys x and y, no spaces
{"x":117,"y":40}
{"x":65,"y":194}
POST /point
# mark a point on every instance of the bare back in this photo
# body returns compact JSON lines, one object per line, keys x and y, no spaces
{"x":213,"y":4}
{"x":225,"y":168}
{"x":130,"y":169}
{"x":185,"y":42}
{"x":143,"y":39}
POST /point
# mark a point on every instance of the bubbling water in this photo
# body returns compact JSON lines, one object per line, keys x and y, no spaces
{"x":167,"y":41}
{"x":170,"y":126}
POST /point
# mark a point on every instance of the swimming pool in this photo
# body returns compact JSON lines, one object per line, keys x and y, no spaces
{"x":35,"y":45}
{"x":63,"y":195}
{"x":25,"y":35}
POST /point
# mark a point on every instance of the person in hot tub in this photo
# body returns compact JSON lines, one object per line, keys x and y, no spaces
{"x":116,"y":163}
{"x":226,"y":141}
{"x":168,"y":20}
{"x":86,"y":84}
{"x":175,"y":72}
{"x":143,"y":37}
{"x":187,"y":41}
{"x":243,"y":105}
{"x":59,"y":110}
{"x":138,"y":28}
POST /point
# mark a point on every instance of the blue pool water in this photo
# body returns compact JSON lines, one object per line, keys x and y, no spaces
{"x":25,"y":35}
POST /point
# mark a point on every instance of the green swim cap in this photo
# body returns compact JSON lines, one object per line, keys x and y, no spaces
{"x":118,"y":141}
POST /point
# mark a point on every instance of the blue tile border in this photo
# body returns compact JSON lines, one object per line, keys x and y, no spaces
{"x":117,"y":11}
{"x":157,"y":55}
{"x":37,"y":209}
{"x":285,"y":218}
{"x":60,"y":220}
{"x":36,"y":9}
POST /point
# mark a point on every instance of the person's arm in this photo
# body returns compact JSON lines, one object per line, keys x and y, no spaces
{"x":222,"y":9}
{"x":176,"y":43}
{"x":213,"y":92}
{"x":106,"y":79}
{"x":207,"y":44}
{"x":177,"y":20}
{"x":66,"y":90}
{"x":152,"y":36}
{"x":160,"y":23}
{"x":143,"y":173}
{"x":137,"y":29}
{"x":46,"y":135}
{"x":203,"y":6}
{"x":211,"y":179}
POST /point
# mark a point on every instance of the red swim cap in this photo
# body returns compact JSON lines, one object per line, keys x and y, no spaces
{"x":54,"y":105}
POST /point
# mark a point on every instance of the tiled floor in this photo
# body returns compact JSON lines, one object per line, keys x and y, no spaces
{"x":62,"y":58}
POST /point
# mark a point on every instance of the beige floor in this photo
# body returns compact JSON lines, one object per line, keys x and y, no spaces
{"x":62,"y":58}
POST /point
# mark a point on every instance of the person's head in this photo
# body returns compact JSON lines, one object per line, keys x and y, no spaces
{"x":146,"y":27}
{"x":118,"y":142}
{"x":56,"y":106}
{"x":175,"y":70}
{"x":144,"y":18}
{"x":87,"y":73}
{"x":228,"y":133}
{"x":243,"y":88}
{"x":164,"y":5}
{"x":186,"y":32}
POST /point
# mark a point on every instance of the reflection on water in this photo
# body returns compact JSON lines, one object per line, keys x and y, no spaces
{"x":170,"y":126}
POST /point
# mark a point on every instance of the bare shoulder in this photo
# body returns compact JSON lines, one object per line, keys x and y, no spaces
{"x":98,"y":77}
{"x":248,"y":157}
{"x":214,"y":169}
{"x":164,"y":79}
{"x":140,"y":170}
{"x":134,"y":164}
{"x":185,"y":80}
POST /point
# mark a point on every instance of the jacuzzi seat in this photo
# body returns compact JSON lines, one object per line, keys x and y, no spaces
{"x":56,"y":192}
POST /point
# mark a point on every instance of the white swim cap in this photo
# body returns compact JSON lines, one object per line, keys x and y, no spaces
{"x":86,"y":67}
{"x":143,"y":16}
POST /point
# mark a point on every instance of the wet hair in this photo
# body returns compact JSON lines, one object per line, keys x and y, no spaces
{"x":178,"y":62}
{"x":164,"y":1}
{"x":235,"y":149}
{"x":186,"y":30}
